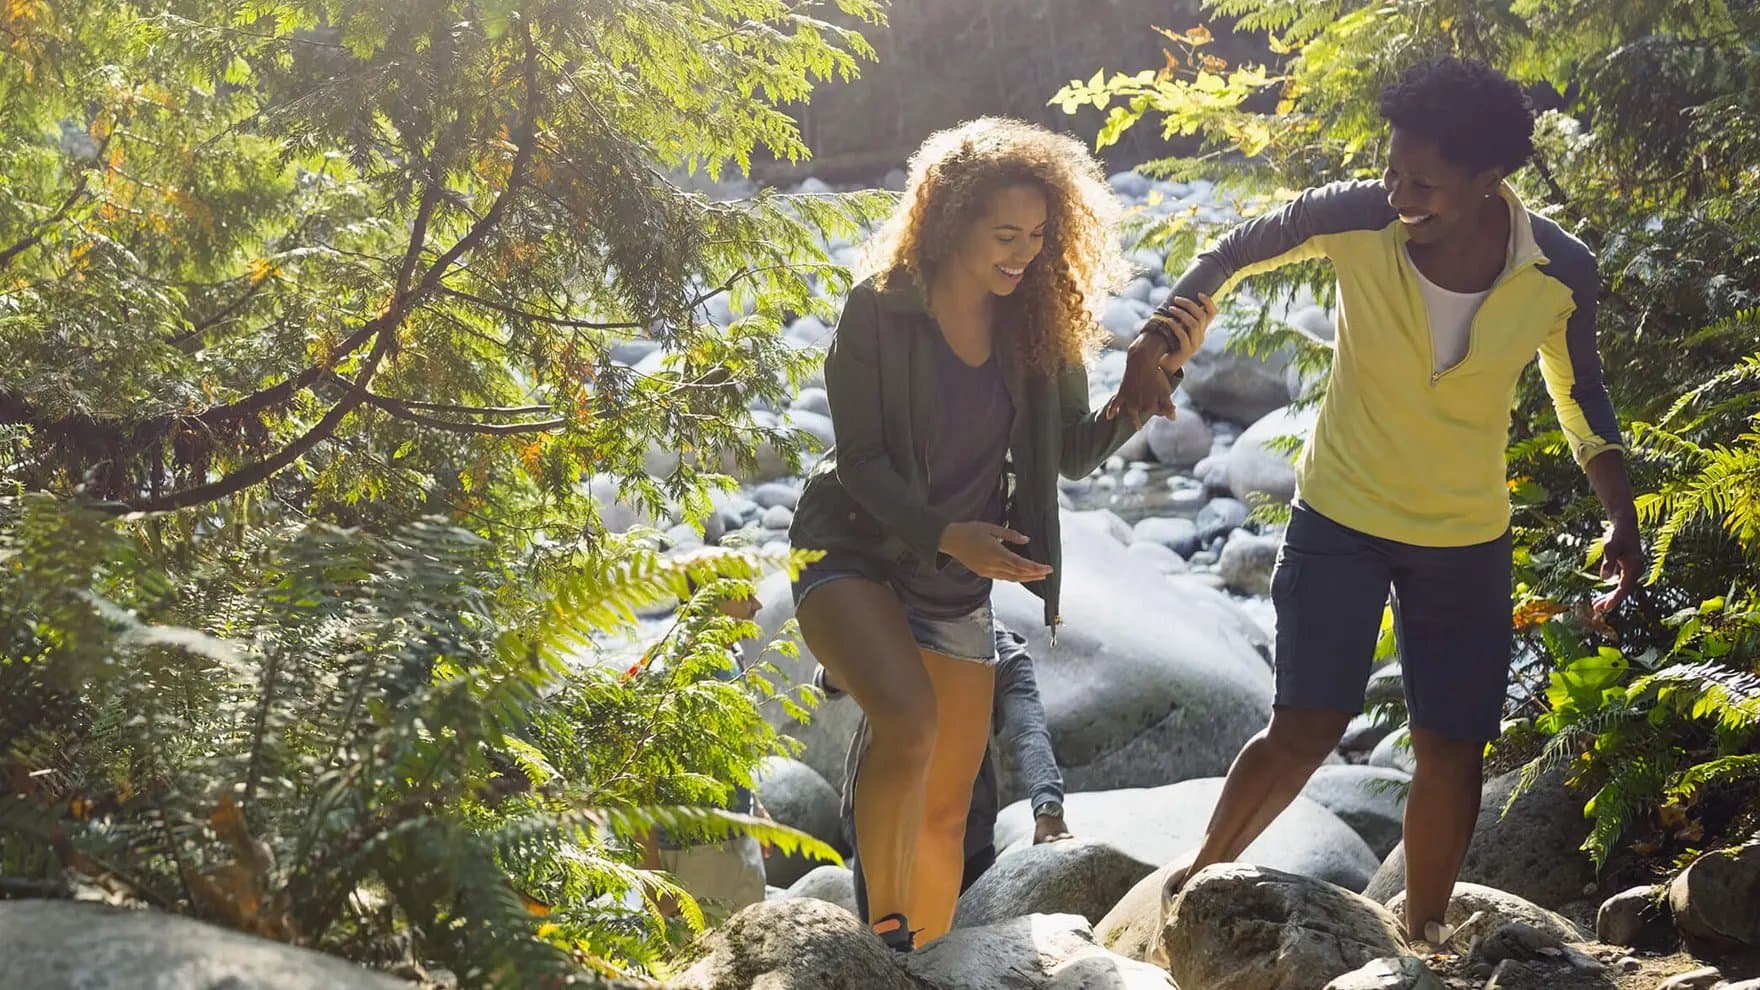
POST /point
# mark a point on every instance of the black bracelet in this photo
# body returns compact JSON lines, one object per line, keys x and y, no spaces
{"x":1163,"y":329}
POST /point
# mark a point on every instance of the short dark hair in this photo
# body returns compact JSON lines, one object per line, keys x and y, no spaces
{"x":1478,"y":117}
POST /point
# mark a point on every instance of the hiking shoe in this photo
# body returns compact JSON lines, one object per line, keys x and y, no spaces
{"x":895,"y":933}
{"x":828,"y":691}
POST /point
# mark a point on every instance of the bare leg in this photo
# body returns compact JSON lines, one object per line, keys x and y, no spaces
{"x":1267,"y":775}
{"x":1440,"y":813}
{"x":964,"y":697}
{"x":857,"y":629}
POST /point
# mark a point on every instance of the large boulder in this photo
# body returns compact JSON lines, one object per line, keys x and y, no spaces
{"x":1497,"y":908}
{"x":1716,"y":900}
{"x":1237,"y":927}
{"x":796,"y":943}
{"x":1144,"y":685}
{"x":1371,"y":800}
{"x":64,"y":945}
{"x":1159,"y":824}
{"x":1305,"y":841}
{"x":1073,"y":876}
{"x":1037,"y":952}
{"x":797,"y":796}
{"x":1231,"y":383}
{"x":1256,"y":467}
{"x":1533,"y":852}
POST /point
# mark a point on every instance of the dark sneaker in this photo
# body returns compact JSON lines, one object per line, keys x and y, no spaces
{"x":895,"y":932}
{"x":831,"y":693}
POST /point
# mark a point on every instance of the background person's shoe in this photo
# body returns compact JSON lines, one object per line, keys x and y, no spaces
{"x":831,"y":693}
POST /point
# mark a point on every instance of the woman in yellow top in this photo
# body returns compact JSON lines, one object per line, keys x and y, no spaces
{"x":1447,"y":288}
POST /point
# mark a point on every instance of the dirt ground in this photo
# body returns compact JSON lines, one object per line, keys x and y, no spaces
{"x":1626,"y":969}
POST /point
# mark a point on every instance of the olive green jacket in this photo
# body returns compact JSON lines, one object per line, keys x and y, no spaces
{"x":869,"y":493}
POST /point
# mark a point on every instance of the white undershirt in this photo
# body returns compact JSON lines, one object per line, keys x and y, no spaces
{"x":1451,"y":319}
{"x":1451,"y":313}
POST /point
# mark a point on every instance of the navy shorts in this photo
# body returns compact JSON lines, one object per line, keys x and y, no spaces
{"x":970,"y":636}
{"x":1451,"y":610}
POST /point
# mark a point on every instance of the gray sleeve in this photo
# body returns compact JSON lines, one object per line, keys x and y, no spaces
{"x":1570,"y":363}
{"x":1286,"y":235}
{"x":1020,"y":719}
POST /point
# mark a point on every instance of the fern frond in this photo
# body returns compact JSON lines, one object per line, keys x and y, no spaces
{"x":1708,"y":689}
{"x":1721,"y":773}
{"x":1566,"y":745}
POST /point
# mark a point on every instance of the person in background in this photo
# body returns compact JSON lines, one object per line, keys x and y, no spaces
{"x":1018,"y":724}
{"x":1447,"y":288}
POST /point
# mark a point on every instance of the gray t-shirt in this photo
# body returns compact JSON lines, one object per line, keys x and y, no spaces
{"x":966,"y":457}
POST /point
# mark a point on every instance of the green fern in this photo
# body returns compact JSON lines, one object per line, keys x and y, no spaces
{"x":1718,"y":480}
{"x":339,"y":737}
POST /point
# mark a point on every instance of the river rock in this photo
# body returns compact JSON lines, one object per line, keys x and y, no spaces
{"x":1716,"y":900}
{"x":1256,"y":467}
{"x":797,"y":796}
{"x":828,"y":883}
{"x":1247,"y":561}
{"x":793,"y":943}
{"x":1237,"y":927}
{"x":1176,"y":534}
{"x":1219,"y":517}
{"x":1037,"y":952}
{"x":1072,"y":876}
{"x":1178,"y":442}
{"x":1371,"y":800}
{"x":1533,"y":852}
{"x":70,"y":945}
{"x":1496,"y":907}
{"x":1143,"y":686}
{"x":1389,"y":973}
{"x":1638,"y":917}
{"x":1231,"y":383}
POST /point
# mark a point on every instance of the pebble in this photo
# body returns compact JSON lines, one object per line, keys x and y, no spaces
{"x":778,"y":517}
{"x":1135,"y":478}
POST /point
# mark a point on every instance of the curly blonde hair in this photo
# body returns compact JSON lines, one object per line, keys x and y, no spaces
{"x":952,"y":177}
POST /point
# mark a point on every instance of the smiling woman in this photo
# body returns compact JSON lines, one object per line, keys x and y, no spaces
{"x":1450,"y":288}
{"x":958,"y":394}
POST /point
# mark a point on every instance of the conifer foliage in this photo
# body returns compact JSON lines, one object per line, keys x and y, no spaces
{"x":309,"y":311}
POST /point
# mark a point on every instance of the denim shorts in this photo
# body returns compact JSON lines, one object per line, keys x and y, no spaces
{"x":1451,"y":609}
{"x":971,"y":636}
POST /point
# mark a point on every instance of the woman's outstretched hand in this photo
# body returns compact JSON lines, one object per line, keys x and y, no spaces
{"x":1145,"y":391}
{"x":980,"y":546}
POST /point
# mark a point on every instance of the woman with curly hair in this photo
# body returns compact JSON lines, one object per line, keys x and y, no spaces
{"x":957,"y":394}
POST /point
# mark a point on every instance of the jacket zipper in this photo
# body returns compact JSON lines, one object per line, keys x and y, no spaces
{"x":1472,"y":326}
